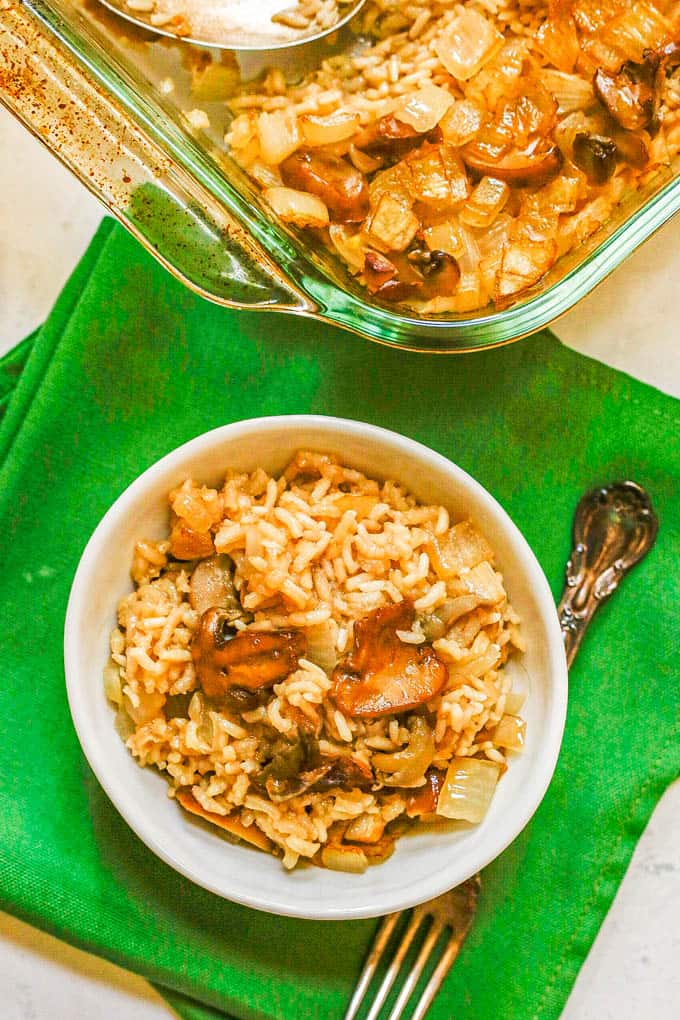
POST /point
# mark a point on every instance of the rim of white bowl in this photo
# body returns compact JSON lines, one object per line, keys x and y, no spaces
{"x":413,"y":892}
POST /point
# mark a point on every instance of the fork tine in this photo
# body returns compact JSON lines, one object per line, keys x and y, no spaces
{"x":416,"y":970}
{"x":447,"y":960}
{"x":382,"y":937}
{"x":393,"y":969}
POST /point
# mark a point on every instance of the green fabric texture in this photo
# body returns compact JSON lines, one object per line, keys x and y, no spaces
{"x":11,"y":367}
{"x":128,"y":366}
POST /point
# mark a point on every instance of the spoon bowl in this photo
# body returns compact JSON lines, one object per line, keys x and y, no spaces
{"x":230,"y":24}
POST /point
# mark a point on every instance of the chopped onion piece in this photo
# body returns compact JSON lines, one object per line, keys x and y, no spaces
{"x":486,"y":202}
{"x":362,"y":161}
{"x":365,"y":829}
{"x":393,"y":226}
{"x":571,"y":91}
{"x":558,"y":40}
{"x":468,"y":789}
{"x":510,"y":733}
{"x":349,"y":245}
{"x":149,"y":705}
{"x":462,"y":121}
{"x":266,"y":176}
{"x":344,"y":858}
{"x":112,"y":687}
{"x":321,"y":644}
{"x":335,"y":127}
{"x":445,"y":236}
{"x":298,"y":207}
{"x":424,"y":108}
{"x":279,"y":135}
{"x":467,"y":43}
{"x":514,"y":702}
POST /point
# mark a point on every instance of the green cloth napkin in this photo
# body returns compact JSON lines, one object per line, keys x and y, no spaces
{"x":129,"y":365}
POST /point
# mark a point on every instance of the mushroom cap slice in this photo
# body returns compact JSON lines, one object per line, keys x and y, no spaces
{"x":251,"y":660}
{"x":383,"y":675}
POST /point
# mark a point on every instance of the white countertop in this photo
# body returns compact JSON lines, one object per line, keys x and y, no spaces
{"x":46,"y":221}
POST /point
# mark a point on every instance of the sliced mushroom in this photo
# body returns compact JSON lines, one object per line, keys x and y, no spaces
{"x":440,"y":271}
{"x":378,"y":270}
{"x":422,"y":273}
{"x":248,"y":833}
{"x":345,"y":772}
{"x":631,"y":94}
{"x":250,"y":661}
{"x":596,"y":155}
{"x":340,"y":186}
{"x":423,"y":800}
{"x":212,"y":586}
{"x":532,"y":165}
{"x":177,"y":706}
{"x":298,"y":767}
{"x":386,"y":280}
{"x":397,"y":290}
{"x":382,"y":674}
{"x":188,"y":544}
{"x":518,"y":146}
{"x":387,"y":137}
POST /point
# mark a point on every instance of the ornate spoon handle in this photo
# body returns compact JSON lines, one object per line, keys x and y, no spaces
{"x":614,"y":528}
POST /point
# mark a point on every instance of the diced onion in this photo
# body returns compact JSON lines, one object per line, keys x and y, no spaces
{"x":148,"y":707}
{"x":112,"y":687}
{"x":468,"y":789}
{"x":558,"y":41}
{"x":467,"y":43}
{"x":424,"y":108}
{"x":349,"y":245}
{"x":407,"y":767}
{"x":462,"y":122}
{"x":445,"y":236}
{"x":344,"y":858}
{"x":486,"y":202}
{"x":321,"y":644}
{"x":265,"y":175}
{"x":510,"y":733}
{"x":334,"y":127}
{"x":279,"y":135}
{"x":514,"y":702}
{"x":571,"y":91}
{"x":298,"y":207}
{"x":362,"y":161}
{"x":365,"y":829}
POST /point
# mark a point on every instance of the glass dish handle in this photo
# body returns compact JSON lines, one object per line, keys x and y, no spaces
{"x":172,"y":215}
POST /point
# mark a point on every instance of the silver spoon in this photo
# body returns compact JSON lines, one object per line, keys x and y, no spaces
{"x":235,"y":24}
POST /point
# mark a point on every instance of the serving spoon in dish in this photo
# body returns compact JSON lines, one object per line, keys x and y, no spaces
{"x":614,"y":528}
{"x":249,"y":25}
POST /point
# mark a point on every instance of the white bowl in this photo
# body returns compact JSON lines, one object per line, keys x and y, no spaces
{"x":424,"y":864}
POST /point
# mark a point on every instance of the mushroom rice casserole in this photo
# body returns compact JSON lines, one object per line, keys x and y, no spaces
{"x":458,"y":150}
{"x":316,"y":660}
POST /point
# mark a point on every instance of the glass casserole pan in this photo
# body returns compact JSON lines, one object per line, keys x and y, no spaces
{"x":113,"y":105}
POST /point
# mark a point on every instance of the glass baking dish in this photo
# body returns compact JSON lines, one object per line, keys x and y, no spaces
{"x":99,"y":98}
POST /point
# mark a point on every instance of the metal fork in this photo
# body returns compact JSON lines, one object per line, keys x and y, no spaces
{"x":614,"y":528}
{"x":454,"y":910}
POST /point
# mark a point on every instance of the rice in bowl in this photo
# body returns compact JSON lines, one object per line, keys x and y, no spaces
{"x":316,"y":660}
